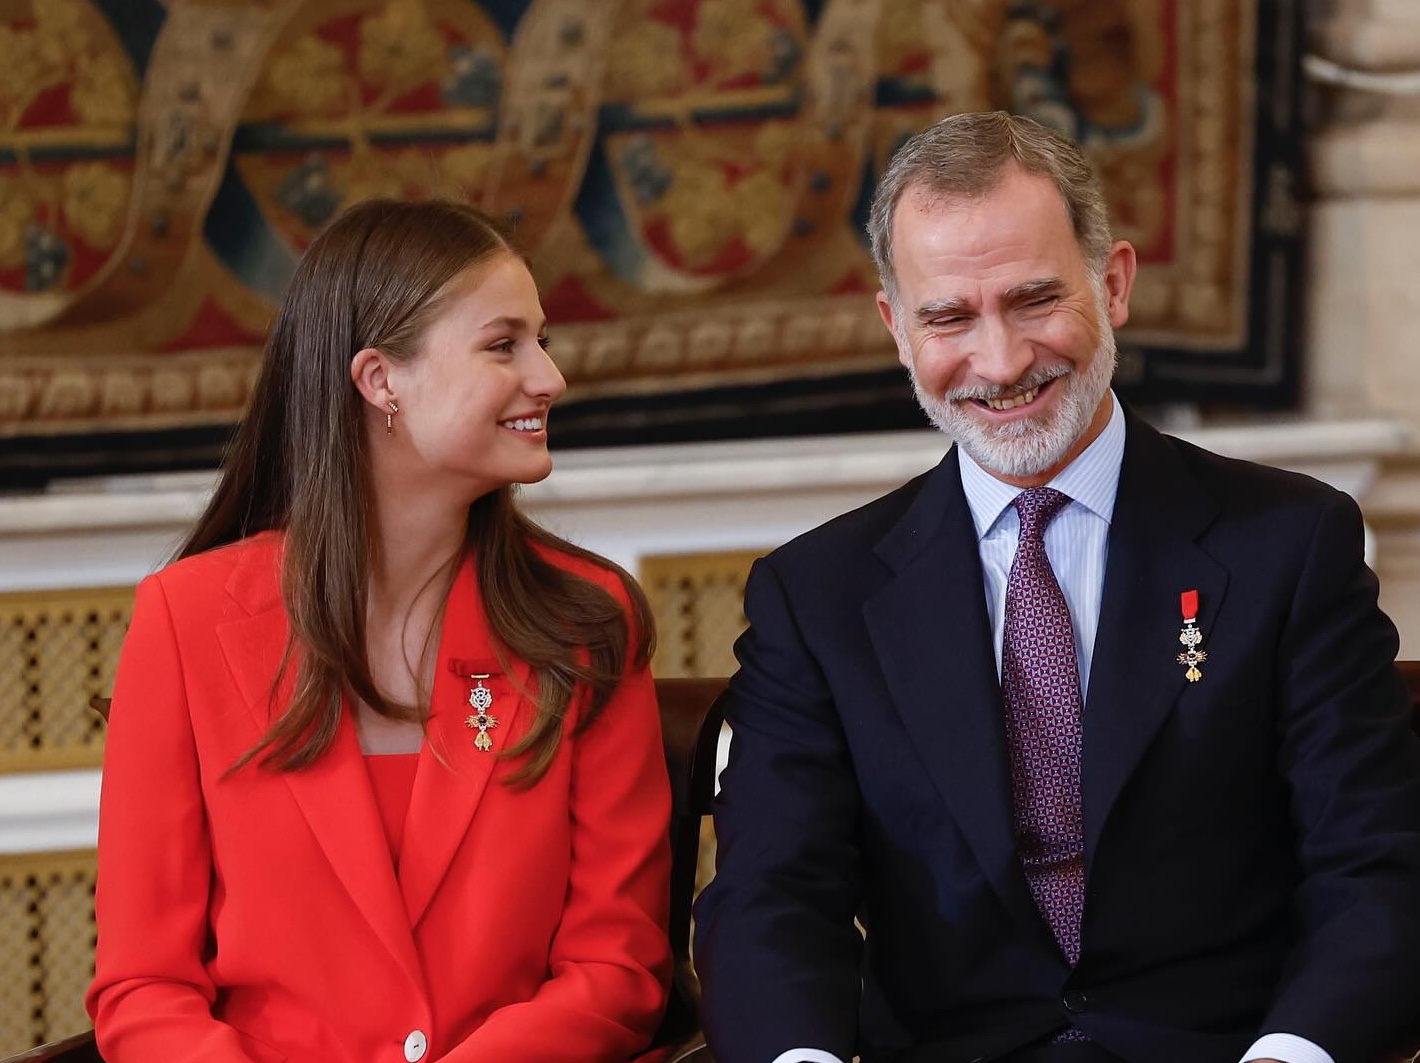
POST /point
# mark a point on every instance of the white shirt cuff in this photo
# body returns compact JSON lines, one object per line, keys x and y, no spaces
{"x":1287,"y":1047}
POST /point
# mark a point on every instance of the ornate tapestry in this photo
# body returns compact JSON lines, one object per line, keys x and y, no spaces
{"x":690,"y":178}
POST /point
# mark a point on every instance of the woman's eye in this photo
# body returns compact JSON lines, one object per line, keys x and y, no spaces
{"x":502,"y":346}
{"x":544,"y":342}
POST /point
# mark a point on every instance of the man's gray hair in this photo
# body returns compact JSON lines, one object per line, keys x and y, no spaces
{"x":966,"y":156}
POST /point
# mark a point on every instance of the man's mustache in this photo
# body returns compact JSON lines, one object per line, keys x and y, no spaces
{"x":1034,"y":379}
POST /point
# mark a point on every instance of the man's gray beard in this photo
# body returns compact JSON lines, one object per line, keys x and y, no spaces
{"x":1028,"y":447}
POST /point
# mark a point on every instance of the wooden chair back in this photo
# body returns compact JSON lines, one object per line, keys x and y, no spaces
{"x":77,"y":1049}
{"x":692,"y":711}
{"x":1410,"y":672}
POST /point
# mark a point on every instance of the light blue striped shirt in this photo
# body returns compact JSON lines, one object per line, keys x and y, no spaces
{"x":1076,"y":541}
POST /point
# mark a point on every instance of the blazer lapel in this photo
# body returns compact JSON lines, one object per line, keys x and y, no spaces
{"x":1135,"y":678}
{"x":931,"y":632}
{"x":453,"y":773}
{"x":334,"y":793}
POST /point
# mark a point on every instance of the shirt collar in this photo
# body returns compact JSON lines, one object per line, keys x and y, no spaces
{"x":1092,"y":479}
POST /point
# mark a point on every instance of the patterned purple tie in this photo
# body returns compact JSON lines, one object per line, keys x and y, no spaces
{"x":1041,"y":687}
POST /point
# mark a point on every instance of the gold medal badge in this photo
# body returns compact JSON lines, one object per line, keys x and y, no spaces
{"x":1191,"y":637}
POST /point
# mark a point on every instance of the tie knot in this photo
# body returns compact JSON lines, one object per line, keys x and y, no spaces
{"x":1037,"y":507}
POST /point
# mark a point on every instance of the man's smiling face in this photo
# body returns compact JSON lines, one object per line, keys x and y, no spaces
{"x":1007,"y":336}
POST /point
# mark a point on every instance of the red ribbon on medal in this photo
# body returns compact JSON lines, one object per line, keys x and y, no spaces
{"x":1188,"y":600}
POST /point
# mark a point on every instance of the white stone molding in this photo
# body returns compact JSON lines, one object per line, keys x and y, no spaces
{"x":49,"y":811}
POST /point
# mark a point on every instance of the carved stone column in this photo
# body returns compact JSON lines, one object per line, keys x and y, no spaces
{"x":1363,"y":327}
{"x":1364,"y":347}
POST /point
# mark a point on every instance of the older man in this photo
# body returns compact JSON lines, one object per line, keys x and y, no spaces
{"x":1097,"y":734}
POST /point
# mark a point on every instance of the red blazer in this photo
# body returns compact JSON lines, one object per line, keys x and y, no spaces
{"x":257,"y":915}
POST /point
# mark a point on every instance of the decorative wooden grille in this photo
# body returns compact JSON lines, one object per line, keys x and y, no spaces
{"x":46,"y":946}
{"x":698,"y":602}
{"x":58,"y":649}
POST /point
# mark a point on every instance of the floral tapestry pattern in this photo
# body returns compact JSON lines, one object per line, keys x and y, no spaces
{"x":689,"y":177}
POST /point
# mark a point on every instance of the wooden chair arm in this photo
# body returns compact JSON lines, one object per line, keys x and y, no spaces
{"x":77,"y":1049}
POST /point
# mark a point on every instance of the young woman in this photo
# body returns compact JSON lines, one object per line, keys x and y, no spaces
{"x":384,"y":778}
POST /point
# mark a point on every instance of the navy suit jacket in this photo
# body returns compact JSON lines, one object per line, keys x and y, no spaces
{"x":1252,"y":840}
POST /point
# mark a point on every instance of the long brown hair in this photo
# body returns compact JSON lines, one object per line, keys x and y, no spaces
{"x":298,"y":464}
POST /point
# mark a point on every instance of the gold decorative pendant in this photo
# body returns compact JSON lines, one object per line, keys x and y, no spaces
{"x":480,"y":698}
{"x":1191,"y":637}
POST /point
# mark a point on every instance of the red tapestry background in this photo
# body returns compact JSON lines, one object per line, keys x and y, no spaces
{"x":691,"y":178}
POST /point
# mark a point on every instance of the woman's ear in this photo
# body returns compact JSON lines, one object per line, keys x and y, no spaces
{"x":370,"y":372}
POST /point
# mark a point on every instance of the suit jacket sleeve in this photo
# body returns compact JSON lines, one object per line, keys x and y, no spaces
{"x":776,"y":946}
{"x":610,"y":961}
{"x":1352,"y":765}
{"x":151,"y":997}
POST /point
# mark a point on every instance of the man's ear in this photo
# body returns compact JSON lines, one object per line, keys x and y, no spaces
{"x":1119,"y":272}
{"x":904,"y":355}
{"x":370,"y":372}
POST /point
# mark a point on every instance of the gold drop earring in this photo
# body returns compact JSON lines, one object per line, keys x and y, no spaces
{"x":389,"y":417}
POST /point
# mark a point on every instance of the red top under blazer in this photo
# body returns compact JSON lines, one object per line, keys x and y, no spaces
{"x":257,"y":916}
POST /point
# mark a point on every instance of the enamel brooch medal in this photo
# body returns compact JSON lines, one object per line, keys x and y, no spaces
{"x":480,"y":699}
{"x":1191,"y":637}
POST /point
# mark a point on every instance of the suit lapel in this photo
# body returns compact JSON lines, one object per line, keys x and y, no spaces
{"x":453,"y":774}
{"x":1135,"y":679}
{"x":334,"y":793}
{"x":930,"y":629}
